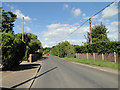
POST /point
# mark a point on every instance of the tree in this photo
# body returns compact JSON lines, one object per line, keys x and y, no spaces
{"x":32,"y":42}
{"x":34,"y":46}
{"x":27,"y":37}
{"x":46,"y":50}
{"x":99,"y":34}
{"x":63,"y":49}
{"x":8,"y":18}
{"x":70,"y":51}
{"x":13,"y":50}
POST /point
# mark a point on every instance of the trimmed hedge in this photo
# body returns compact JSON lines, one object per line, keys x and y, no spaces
{"x":99,"y":47}
{"x":13,"y":50}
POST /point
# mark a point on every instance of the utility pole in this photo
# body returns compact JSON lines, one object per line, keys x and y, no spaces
{"x":23,"y":30}
{"x":90,"y":30}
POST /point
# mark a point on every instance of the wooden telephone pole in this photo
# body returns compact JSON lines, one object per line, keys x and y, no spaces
{"x":90,"y":30}
{"x":23,"y":30}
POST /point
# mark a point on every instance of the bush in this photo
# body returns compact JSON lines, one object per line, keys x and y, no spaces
{"x":99,"y":47}
{"x":39,"y":53}
{"x":32,"y":42}
{"x":13,"y":50}
{"x":34,"y":46}
{"x":63,"y":49}
{"x":25,"y":58}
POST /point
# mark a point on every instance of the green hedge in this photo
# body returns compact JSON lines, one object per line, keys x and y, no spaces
{"x":63,"y":49}
{"x":34,"y":45}
{"x":32,"y":42}
{"x":13,"y":50}
{"x":100,"y":47}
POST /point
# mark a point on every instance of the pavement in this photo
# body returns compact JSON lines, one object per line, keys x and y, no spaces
{"x":59,"y":73}
{"x":20,"y":77}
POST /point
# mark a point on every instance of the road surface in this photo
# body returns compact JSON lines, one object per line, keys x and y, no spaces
{"x":59,"y":73}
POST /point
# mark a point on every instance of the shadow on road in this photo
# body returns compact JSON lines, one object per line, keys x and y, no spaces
{"x":23,"y":67}
{"x":44,"y":57}
{"x":33,"y":78}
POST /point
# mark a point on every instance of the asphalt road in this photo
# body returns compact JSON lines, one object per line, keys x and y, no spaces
{"x":59,"y":73}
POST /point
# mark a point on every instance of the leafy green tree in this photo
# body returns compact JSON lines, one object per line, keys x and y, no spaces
{"x":46,"y":50}
{"x":27,"y":37}
{"x":70,"y":51}
{"x":63,"y":49}
{"x":99,"y":34}
{"x":8,"y":19}
{"x":34,"y":46}
{"x":13,"y":50}
{"x":54,"y":50}
{"x":32,"y":42}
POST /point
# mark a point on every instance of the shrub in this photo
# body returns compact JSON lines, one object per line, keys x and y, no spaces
{"x":25,"y":58}
{"x":39,"y":53}
{"x":13,"y":50}
{"x":34,"y":46}
{"x":63,"y":49}
{"x":99,"y":47}
{"x":32,"y":42}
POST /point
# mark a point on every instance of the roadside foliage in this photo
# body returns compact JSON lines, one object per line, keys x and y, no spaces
{"x":63,"y":49}
{"x":99,"y":47}
{"x":14,"y":50}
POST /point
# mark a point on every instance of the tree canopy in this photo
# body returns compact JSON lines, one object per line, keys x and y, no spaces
{"x":31,"y":41}
{"x":8,"y":19}
{"x":99,"y":34}
{"x":63,"y":49}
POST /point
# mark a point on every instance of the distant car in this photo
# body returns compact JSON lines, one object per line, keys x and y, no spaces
{"x":47,"y":54}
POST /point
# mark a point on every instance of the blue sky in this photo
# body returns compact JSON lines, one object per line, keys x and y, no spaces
{"x":52,"y":22}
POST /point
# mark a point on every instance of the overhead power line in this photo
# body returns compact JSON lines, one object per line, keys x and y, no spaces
{"x":91,"y":17}
{"x":103,"y":8}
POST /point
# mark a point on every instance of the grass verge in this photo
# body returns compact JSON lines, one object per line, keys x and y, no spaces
{"x":96,"y":62}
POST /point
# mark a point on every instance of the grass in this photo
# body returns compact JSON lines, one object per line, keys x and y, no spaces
{"x":96,"y":62}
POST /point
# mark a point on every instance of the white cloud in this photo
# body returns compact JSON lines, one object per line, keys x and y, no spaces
{"x":66,"y":6}
{"x":27,"y":28}
{"x":46,"y":39}
{"x":20,"y":15}
{"x":113,"y":30}
{"x":96,"y":16}
{"x":76,"y":12}
{"x":59,"y":32}
{"x":113,"y":26}
{"x":86,"y":17}
{"x":119,"y":36}
{"x":11,"y":7}
{"x":77,"y":42}
{"x":113,"y":36}
{"x":35,"y":19}
{"x":110,"y":11}
{"x":49,"y":43}
{"x":76,"y":23}
{"x":84,"y":14}
{"x":46,"y":46}
{"x":8,"y":5}
{"x":18,"y":27}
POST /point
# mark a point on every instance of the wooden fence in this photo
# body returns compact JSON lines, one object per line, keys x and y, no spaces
{"x":112,"y":57}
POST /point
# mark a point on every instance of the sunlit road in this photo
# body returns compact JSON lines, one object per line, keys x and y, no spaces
{"x":58,"y":73}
